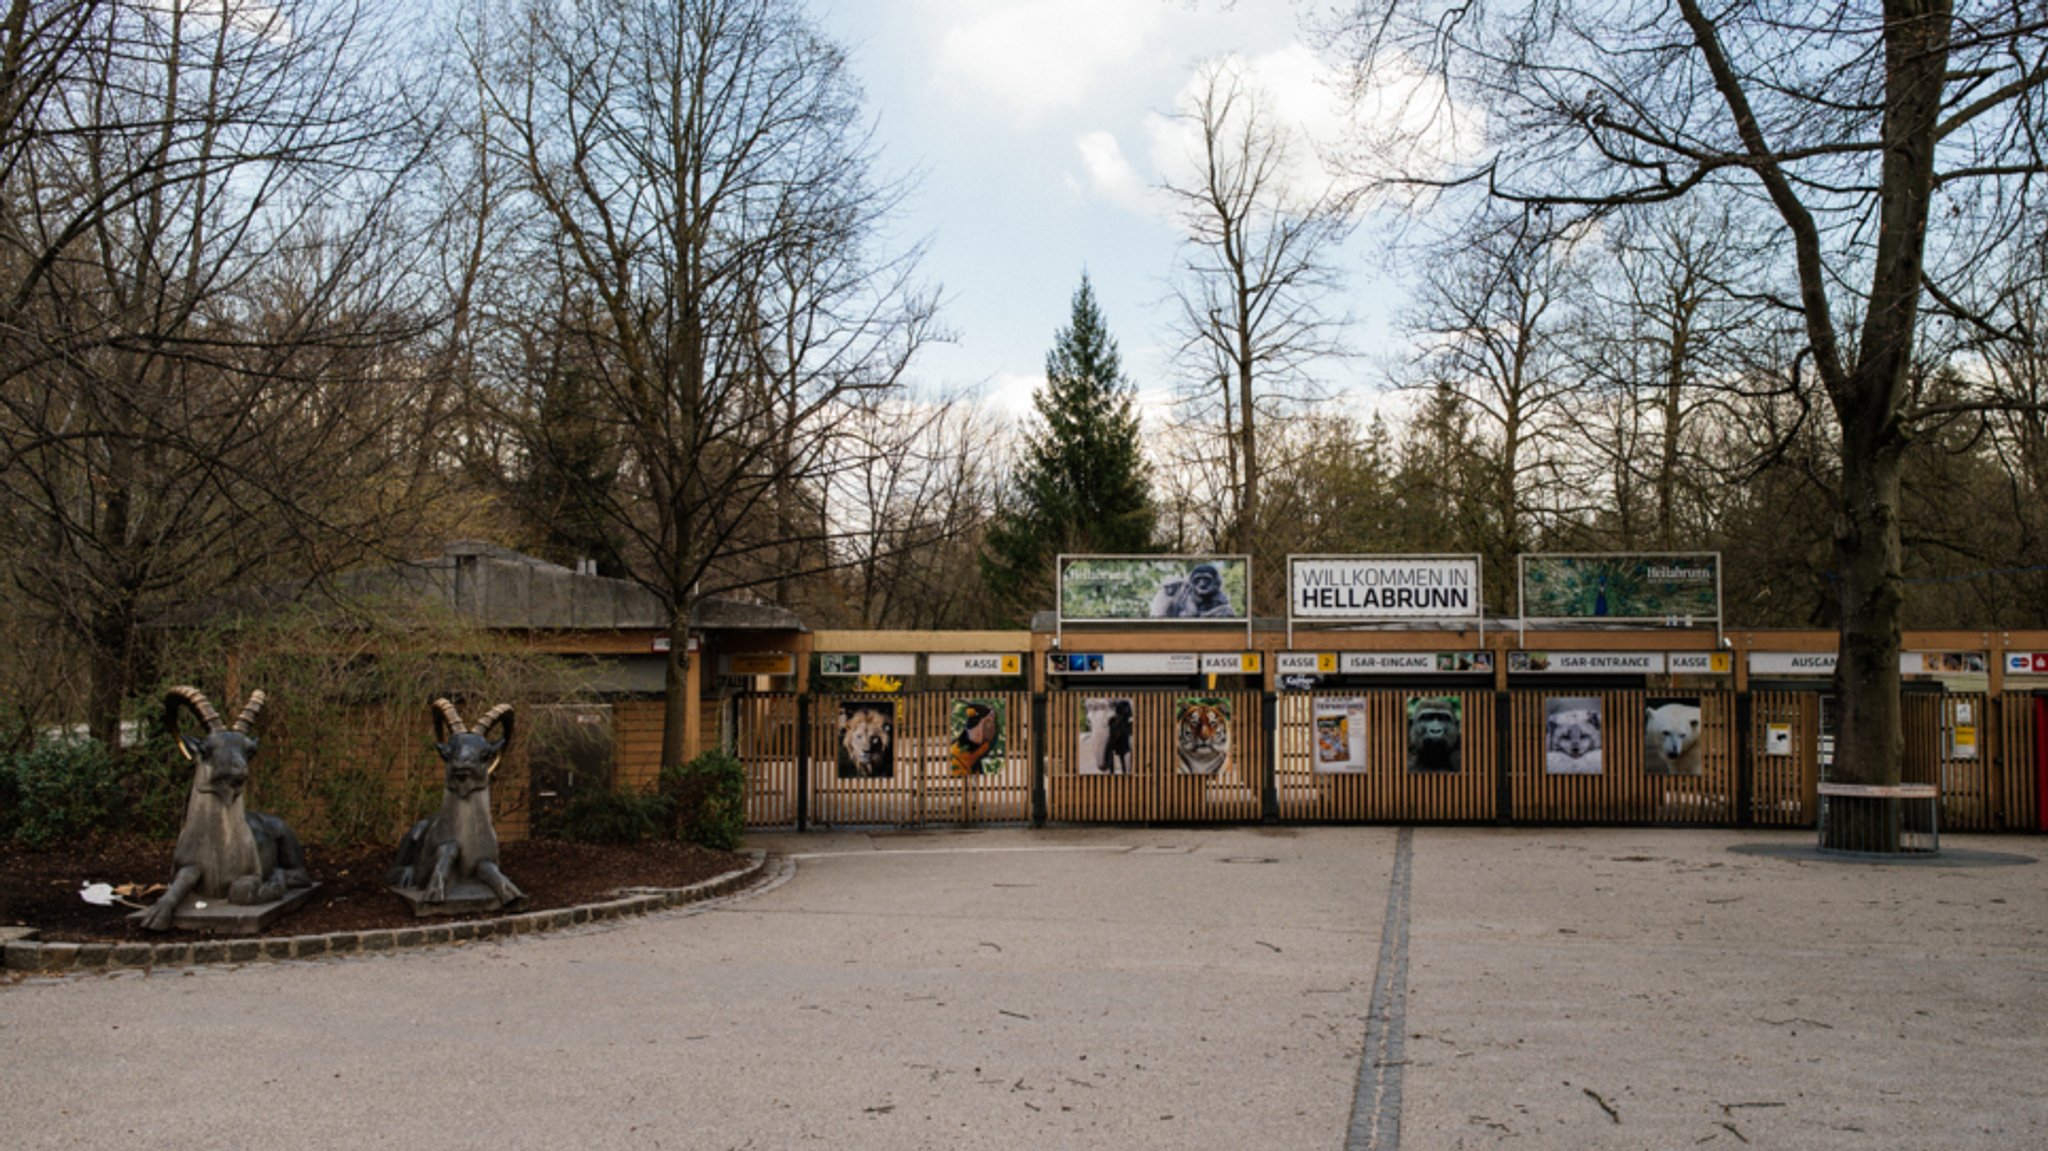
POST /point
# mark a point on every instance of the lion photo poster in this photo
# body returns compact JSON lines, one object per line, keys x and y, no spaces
{"x":867,"y":739}
{"x":1671,"y":735}
{"x":1107,"y":726}
{"x":977,"y":727}
{"x":1571,"y":735}
{"x":1202,"y":734}
{"x":1436,"y":734}
{"x":1340,"y":734}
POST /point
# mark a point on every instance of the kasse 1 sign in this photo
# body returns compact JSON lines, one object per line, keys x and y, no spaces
{"x":1383,"y":587}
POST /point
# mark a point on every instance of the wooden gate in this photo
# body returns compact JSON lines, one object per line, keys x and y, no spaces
{"x":1318,"y":777}
{"x":1117,"y":755}
{"x":2017,"y":779}
{"x":1949,"y":743}
{"x":1785,"y":753}
{"x":917,"y":781}
{"x":1549,"y":782}
{"x":764,"y":736}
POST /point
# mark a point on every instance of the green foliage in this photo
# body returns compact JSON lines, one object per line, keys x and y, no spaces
{"x":707,"y":800}
{"x":614,"y":817}
{"x":1084,"y":485}
{"x":356,"y":806}
{"x":346,"y":738}
{"x":157,"y":780}
{"x":57,"y":790}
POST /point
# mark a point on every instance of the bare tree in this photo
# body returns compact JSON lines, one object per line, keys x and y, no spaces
{"x":1668,"y":345}
{"x":208,"y":372}
{"x":915,"y":507}
{"x":698,"y":170}
{"x":1898,"y":144}
{"x":1258,"y":269}
{"x":1495,"y":304}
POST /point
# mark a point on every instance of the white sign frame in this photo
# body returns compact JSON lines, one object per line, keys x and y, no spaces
{"x":1478,"y":616}
{"x":1523,"y":619}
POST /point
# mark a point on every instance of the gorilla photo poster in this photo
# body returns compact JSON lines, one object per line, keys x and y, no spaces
{"x":1436,"y":734}
{"x":1107,"y":724}
{"x":977,"y":727}
{"x":1571,"y":735}
{"x":1340,"y":734}
{"x":1671,"y":735}
{"x":1202,"y":734}
{"x":1158,"y":588}
{"x":867,"y":739}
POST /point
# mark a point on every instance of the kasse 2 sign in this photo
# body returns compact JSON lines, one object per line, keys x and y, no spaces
{"x":1383,"y":588}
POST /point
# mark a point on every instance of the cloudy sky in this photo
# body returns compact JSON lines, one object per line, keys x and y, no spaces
{"x":1038,"y":131}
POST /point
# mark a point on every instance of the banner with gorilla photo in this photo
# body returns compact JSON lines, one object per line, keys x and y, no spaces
{"x":1201,"y":729}
{"x":1436,"y":734}
{"x":1155,"y":588}
{"x":1572,"y":742}
{"x":977,"y":728}
{"x":1108,"y":726}
{"x":1671,"y":735}
{"x":1340,"y":734}
{"x":867,"y":739}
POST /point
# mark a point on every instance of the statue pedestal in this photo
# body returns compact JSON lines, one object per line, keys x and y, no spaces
{"x":465,"y":897}
{"x":220,"y":917}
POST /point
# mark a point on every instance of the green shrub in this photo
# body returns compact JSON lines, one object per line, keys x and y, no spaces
{"x":614,"y":817}
{"x":59,"y":789}
{"x":156,"y":781}
{"x":707,"y":800}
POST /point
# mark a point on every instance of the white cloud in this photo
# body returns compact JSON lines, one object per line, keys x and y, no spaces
{"x":1403,"y":124}
{"x":1039,"y":55}
{"x":1110,"y":174}
{"x":1291,"y":89}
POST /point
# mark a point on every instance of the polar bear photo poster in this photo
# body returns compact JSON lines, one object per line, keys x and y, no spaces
{"x":1672,"y":735}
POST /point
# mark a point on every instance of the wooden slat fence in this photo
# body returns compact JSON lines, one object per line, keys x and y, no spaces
{"x":921,"y":787}
{"x":1968,"y":781}
{"x":1784,"y":788}
{"x":1623,"y":791}
{"x":2016,"y":782}
{"x":1150,"y":784}
{"x":764,"y":729}
{"x":1386,"y":790}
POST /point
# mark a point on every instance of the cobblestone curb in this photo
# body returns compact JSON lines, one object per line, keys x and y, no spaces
{"x":32,"y":955}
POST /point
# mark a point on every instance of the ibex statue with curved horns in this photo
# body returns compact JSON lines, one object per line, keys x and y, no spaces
{"x":458,"y":844}
{"x":224,"y":850}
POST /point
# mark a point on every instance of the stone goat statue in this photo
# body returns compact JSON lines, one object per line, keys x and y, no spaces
{"x":459,"y":843}
{"x":223,"y":849}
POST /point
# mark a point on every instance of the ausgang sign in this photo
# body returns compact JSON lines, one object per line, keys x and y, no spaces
{"x":1366,"y":588}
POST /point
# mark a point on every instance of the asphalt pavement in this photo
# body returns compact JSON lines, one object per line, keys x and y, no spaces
{"x":1329,"y":988}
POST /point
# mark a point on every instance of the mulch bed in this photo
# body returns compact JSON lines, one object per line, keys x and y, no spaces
{"x":40,"y":888}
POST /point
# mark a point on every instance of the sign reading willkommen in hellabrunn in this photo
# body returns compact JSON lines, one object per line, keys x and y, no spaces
{"x":1365,"y":588}
{"x":1137,"y":588}
{"x":867,"y":739}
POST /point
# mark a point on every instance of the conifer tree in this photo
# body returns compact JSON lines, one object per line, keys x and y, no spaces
{"x":1083,"y":485}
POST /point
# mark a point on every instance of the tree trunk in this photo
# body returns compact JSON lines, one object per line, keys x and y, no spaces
{"x":675,"y":691}
{"x":1869,"y":729}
